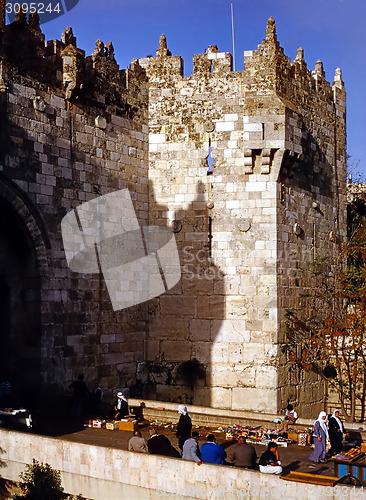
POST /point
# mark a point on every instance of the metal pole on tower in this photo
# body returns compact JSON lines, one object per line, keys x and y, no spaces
{"x":232,"y":33}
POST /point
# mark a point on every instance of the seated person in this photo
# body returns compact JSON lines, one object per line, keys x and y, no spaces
{"x":211,"y":452}
{"x":191,"y":450}
{"x":121,"y":409}
{"x":137,"y":443}
{"x":160,"y":445}
{"x":244,"y":454}
{"x":269,"y":463}
{"x":290,"y":417}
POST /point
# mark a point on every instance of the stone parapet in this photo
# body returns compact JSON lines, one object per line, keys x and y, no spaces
{"x":108,"y":473}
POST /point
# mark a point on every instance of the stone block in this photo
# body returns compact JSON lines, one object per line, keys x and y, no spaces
{"x":248,"y":398}
{"x":200,"y":330}
{"x":229,"y":331}
{"x":178,"y":305}
{"x":156,"y":138}
{"x":253,"y":127}
{"x":176,"y":350}
{"x":197,"y":281}
{"x":225,"y":126}
{"x":266,"y":377}
{"x":165,"y":328}
{"x":210,"y":307}
{"x":202,"y":351}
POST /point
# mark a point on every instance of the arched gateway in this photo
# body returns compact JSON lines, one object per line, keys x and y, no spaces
{"x":23,"y":245}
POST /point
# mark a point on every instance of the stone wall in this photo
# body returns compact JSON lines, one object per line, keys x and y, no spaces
{"x":248,"y":169}
{"x":102,"y":473}
{"x":72,"y":128}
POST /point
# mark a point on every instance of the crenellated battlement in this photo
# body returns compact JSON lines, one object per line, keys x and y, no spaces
{"x":64,"y":66}
{"x":266,"y":70}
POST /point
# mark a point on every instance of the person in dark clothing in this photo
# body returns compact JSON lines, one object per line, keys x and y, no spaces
{"x":160,"y":445}
{"x":269,"y":463}
{"x":121,"y":409}
{"x":184,"y":426}
{"x":80,"y":394}
{"x":336,"y":431}
{"x":97,"y":399}
{"x":244,"y":454}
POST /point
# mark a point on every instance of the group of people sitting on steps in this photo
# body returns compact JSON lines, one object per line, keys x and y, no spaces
{"x":211,"y":452}
{"x":244,"y":454}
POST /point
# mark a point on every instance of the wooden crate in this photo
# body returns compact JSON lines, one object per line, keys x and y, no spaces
{"x":293,"y":435}
{"x":128,"y":425}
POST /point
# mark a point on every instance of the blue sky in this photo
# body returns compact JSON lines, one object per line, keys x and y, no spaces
{"x":330,"y":30}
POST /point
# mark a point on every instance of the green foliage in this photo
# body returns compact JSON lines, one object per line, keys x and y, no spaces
{"x":40,"y":482}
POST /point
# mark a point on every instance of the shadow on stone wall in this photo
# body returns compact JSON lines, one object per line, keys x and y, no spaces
{"x":183,"y":322}
{"x":313,"y":181}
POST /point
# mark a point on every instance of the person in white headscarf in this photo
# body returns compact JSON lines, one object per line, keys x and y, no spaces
{"x":120,"y":406}
{"x":320,"y":436}
{"x":336,"y":431}
{"x":184,"y":426}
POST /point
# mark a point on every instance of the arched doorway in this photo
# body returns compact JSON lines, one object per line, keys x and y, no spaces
{"x":20,"y":299}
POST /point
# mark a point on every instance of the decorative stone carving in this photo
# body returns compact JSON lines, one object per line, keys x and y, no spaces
{"x":100,"y":122}
{"x":99,"y":48}
{"x":68,"y":37}
{"x":296,"y":229}
{"x":244,"y":225}
{"x":209,"y":126}
{"x":39,"y":104}
{"x":177,"y":226}
{"x":109,"y":51}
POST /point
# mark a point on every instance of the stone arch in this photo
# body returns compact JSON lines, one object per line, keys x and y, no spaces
{"x":23,"y":266}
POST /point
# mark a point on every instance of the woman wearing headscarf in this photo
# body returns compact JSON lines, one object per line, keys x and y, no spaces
{"x":336,"y":431}
{"x":320,"y":438}
{"x":184,"y":426}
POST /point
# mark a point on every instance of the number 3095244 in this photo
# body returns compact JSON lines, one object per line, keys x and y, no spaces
{"x":32,"y":7}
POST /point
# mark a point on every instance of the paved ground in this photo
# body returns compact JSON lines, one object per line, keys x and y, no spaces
{"x":293,"y":457}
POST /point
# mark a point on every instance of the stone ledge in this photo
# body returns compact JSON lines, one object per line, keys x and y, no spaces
{"x":202,"y":415}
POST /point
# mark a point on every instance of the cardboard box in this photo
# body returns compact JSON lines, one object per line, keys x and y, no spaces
{"x":293,"y":435}
{"x":97,"y":423}
{"x":128,"y":425}
{"x":303,"y":439}
{"x":111,"y":426}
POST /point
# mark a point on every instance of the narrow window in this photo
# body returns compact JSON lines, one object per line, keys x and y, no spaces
{"x":209,"y":159}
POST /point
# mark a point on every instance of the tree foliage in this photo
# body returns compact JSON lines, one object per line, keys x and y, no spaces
{"x":328,"y":335}
{"x":40,"y":481}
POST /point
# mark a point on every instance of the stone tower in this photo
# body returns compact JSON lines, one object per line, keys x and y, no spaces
{"x":247,"y":168}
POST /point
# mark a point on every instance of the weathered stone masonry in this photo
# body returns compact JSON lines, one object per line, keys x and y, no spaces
{"x":74,"y":127}
{"x":273,"y":204}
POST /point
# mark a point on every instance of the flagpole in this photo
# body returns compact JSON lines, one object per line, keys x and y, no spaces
{"x":232,"y":33}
